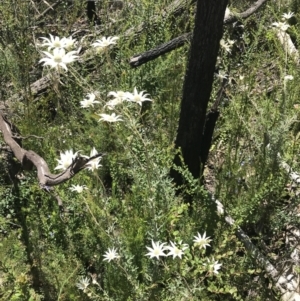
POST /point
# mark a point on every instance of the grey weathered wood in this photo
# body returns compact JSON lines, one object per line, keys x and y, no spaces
{"x":30,"y":159}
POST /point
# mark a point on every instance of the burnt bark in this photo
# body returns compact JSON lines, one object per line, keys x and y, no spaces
{"x":198,"y":85}
{"x":152,"y":54}
{"x":91,"y":12}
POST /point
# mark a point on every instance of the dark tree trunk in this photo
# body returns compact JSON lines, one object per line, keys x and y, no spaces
{"x":91,"y":12}
{"x":198,"y":84}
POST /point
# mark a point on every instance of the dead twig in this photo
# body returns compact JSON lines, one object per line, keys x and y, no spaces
{"x":50,"y":7}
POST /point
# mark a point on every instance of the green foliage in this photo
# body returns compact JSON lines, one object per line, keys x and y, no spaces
{"x":131,"y":200}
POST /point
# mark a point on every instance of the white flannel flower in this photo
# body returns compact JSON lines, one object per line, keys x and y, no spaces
{"x":175,"y":251}
{"x":202,"y":241}
{"x":93,"y":152}
{"x":221,"y":75}
{"x":287,"y":16}
{"x":83,"y":284}
{"x":69,"y":43}
{"x":110,"y":118}
{"x":54,"y":42}
{"x":137,"y":97}
{"x":89,"y":101}
{"x":226,"y":46}
{"x":213,"y":266}
{"x":156,"y":250}
{"x":93,"y":164}
{"x":111,"y":254}
{"x":66,"y":159}
{"x":104,"y":43}
{"x":227,"y":13}
{"x":119,"y":97}
{"x":220,"y":207}
{"x":78,"y":188}
{"x":294,"y":176}
{"x":281,"y":25}
{"x":230,"y":42}
{"x":59,"y":58}
{"x":288,"y":77}
{"x":94,"y":279}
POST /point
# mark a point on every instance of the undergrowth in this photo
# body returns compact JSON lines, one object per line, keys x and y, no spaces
{"x":130,"y":201}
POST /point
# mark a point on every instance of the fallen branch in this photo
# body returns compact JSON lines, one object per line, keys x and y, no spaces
{"x":247,"y":13}
{"x":28,"y":159}
{"x":152,"y":54}
{"x":142,"y":58}
{"x":288,"y":285}
{"x":35,"y":88}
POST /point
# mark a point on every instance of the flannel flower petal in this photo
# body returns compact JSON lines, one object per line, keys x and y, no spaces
{"x":202,"y":241}
{"x":175,"y":251}
{"x":78,"y":188}
{"x":53,"y":42}
{"x":94,"y":163}
{"x":287,"y":16}
{"x":110,"y":118}
{"x":281,"y":25}
{"x":156,"y":250}
{"x":57,"y":42}
{"x":288,"y":77}
{"x":137,"y":97}
{"x":227,"y":13}
{"x":59,"y":58}
{"x":213,"y":266}
{"x":93,"y":152}
{"x":69,"y":43}
{"x":221,"y":75}
{"x":66,"y":159}
{"x":89,"y":101}
{"x":119,"y":97}
{"x":104,"y":43}
{"x":83,"y":283}
{"x":226,"y":46}
{"x":111,"y":254}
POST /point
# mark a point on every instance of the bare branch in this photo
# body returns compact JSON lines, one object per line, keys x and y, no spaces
{"x":27,"y":137}
{"x":152,"y":54}
{"x":247,"y":13}
{"x":142,"y":58}
{"x":28,"y":159}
